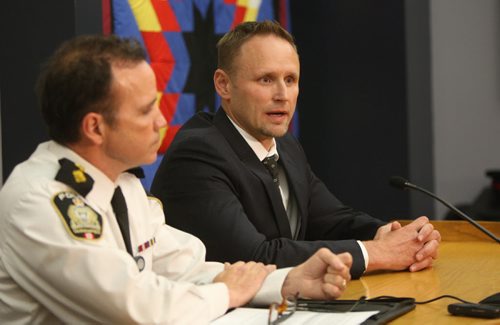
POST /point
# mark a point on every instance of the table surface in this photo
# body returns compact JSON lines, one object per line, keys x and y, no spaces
{"x":468,"y":267}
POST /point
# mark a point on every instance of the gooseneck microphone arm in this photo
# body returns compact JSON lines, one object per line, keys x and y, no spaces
{"x":402,"y":183}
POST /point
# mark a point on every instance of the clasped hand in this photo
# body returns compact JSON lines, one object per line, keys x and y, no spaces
{"x":413,"y":247}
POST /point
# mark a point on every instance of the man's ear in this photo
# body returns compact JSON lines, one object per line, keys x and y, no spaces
{"x":93,"y":127}
{"x":222,"y":84}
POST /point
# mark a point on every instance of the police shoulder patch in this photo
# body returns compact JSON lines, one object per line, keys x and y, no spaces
{"x":79,"y":219}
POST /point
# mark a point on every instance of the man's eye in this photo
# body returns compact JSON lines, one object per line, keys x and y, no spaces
{"x":146,"y":111}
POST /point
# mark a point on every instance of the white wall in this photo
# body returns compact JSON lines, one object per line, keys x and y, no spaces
{"x":465,"y":55}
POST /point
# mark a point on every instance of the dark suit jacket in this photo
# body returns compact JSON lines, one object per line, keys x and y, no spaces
{"x":213,"y":185}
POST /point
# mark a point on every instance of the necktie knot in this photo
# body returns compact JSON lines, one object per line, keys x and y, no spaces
{"x":271,"y":163}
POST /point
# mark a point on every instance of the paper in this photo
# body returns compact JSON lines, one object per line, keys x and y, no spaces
{"x":256,"y":316}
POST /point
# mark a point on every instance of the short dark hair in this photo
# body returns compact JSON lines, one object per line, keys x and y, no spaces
{"x":77,"y":80}
{"x":230,"y":44}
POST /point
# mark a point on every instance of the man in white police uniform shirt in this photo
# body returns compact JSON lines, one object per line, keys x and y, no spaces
{"x":80,"y":239}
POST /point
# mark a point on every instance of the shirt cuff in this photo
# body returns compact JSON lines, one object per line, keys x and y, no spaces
{"x":271,"y":288}
{"x":217,"y":296}
{"x":365,"y":253}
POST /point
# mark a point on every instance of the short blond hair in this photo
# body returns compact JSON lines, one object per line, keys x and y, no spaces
{"x":230,"y":44}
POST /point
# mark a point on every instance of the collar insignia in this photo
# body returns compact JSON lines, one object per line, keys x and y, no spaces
{"x":137,"y":171}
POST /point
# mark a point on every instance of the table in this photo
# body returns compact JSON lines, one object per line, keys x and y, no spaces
{"x":468,"y":267}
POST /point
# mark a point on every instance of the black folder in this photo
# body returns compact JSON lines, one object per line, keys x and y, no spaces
{"x":388,"y":308}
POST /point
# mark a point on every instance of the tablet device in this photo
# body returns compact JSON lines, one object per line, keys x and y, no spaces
{"x":388,"y":308}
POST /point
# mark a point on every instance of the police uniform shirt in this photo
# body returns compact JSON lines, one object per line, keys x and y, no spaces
{"x":63,"y":257}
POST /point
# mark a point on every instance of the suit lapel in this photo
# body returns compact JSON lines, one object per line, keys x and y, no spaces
{"x":296,"y":182}
{"x":250,"y":160}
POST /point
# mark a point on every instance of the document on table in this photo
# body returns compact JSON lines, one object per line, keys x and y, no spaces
{"x":259,"y":316}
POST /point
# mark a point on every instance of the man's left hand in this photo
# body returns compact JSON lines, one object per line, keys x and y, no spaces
{"x":426,"y":235}
{"x":429,"y":252}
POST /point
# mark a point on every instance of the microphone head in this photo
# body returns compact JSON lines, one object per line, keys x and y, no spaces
{"x":398,"y":182}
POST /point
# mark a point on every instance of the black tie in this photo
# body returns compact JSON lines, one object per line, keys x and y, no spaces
{"x":271,"y":163}
{"x":120,"y":208}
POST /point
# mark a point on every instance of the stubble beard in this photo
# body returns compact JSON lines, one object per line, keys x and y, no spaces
{"x":273,"y":132}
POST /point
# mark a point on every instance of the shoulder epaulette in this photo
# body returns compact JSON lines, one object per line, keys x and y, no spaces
{"x":74,"y":176}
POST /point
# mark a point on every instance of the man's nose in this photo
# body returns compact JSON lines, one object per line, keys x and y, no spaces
{"x":160,"y":120}
{"x":281,"y":91}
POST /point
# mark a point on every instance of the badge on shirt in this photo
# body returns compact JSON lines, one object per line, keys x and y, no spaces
{"x":141,"y":263}
{"x":80,"y":220}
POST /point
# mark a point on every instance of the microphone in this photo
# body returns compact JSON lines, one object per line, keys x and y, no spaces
{"x":401,"y":183}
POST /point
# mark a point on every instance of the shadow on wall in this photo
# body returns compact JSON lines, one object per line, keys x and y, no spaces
{"x":487,"y":204}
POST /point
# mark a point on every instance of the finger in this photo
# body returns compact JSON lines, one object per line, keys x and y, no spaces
{"x":430,"y":249}
{"x":346,"y":258}
{"x":386,"y":228}
{"x":395,"y":225}
{"x":253,"y":272}
{"x":252,"y":264}
{"x":255,"y":266}
{"x":239,"y":264}
{"x":382,"y":230}
{"x":343,"y":284}
{"x":331,"y":291}
{"x":345,"y":275}
{"x":436,"y":235}
{"x":344,"y":272}
{"x":270,"y":268}
{"x":418,"y":223}
{"x":263,"y":270}
{"x":336,"y":279}
{"x":425,"y":232}
{"x":330,"y":259}
{"x":421,"y":264}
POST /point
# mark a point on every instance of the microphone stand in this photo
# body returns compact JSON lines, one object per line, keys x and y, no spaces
{"x":401,"y":183}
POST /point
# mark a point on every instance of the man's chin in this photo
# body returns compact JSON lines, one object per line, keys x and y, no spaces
{"x":277,"y":133}
{"x":150,"y":159}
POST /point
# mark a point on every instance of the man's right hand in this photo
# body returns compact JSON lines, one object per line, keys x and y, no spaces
{"x":243,"y":280}
{"x":322,"y":276}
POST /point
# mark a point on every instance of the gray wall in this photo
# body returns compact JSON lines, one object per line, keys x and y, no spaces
{"x":1,"y":159}
{"x":465,"y":55}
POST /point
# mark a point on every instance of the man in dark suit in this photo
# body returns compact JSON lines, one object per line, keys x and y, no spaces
{"x":242,"y":184}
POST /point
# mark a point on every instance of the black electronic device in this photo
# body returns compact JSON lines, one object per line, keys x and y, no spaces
{"x":474,"y":310}
{"x":388,"y":308}
{"x":494,"y":299}
{"x":489,"y":307}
